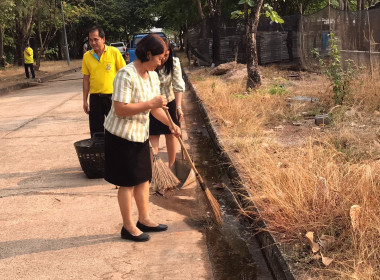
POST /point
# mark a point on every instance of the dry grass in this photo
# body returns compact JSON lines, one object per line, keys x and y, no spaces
{"x":307,"y":179}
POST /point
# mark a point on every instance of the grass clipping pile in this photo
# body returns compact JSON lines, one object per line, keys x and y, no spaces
{"x":316,"y":187}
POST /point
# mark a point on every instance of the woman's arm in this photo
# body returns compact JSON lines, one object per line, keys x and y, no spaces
{"x":178,"y":103}
{"x":160,"y":115}
{"x":131,"y":109}
{"x":178,"y":87}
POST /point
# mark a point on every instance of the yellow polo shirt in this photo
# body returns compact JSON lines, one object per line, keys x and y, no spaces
{"x":28,"y":59}
{"x":102,"y":72}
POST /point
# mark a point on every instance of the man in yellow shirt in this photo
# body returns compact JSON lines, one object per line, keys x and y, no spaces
{"x":99,"y":68}
{"x":28,"y":61}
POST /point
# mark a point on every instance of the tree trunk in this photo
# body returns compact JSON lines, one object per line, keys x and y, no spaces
{"x":344,"y":5}
{"x":252,"y":21}
{"x":203,"y":33}
{"x":23,"y":27}
{"x":2,"y":58}
{"x":360,"y":5}
{"x":215,"y":14}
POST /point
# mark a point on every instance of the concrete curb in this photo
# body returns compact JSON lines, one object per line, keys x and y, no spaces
{"x":273,"y":253}
{"x":32,"y":84}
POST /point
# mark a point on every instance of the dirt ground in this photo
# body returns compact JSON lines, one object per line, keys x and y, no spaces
{"x":13,"y":75}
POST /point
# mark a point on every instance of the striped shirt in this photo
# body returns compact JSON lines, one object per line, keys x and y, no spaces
{"x":171,"y":83}
{"x":129,"y":87}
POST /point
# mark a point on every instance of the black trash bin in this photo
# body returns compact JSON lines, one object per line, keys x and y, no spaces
{"x":91,"y":155}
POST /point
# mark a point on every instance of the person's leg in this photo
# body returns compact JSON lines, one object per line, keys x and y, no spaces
{"x":141,"y":193}
{"x":107,"y":103}
{"x":171,"y":146}
{"x":26,"y":70}
{"x":96,"y":116}
{"x":124,"y":197}
{"x":105,"y":107}
{"x":154,"y":141}
{"x":171,"y":141}
{"x":32,"y":71}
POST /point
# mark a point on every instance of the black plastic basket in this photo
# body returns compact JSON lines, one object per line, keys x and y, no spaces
{"x":91,"y":155}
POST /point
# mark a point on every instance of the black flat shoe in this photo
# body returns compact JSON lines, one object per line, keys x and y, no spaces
{"x":140,"y":238}
{"x":145,"y":228}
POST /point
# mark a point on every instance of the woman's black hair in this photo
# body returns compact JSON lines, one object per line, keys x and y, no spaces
{"x":150,"y":43}
{"x":168,"y":66}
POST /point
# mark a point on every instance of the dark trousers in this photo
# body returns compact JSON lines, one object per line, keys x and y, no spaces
{"x":29,"y":65}
{"x":100,"y":105}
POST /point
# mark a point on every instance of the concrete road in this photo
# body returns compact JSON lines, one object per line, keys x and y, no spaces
{"x":57,"y":224}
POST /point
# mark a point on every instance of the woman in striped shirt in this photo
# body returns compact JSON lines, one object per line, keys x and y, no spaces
{"x":172,"y":87}
{"x":127,"y":156}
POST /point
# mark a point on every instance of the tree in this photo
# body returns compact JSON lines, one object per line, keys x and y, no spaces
{"x":252,"y":15}
{"x":252,"y":11}
{"x":177,"y":15}
{"x":6,"y":7}
{"x":215,"y":13}
{"x":47,"y":21}
{"x":22,"y":27}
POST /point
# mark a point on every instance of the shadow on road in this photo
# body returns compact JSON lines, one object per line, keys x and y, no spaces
{"x":32,"y":183}
{"x":14,"y":248}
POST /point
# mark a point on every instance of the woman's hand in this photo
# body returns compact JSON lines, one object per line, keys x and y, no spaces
{"x":176,"y":131}
{"x":179,"y":114}
{"x":159,"y":101}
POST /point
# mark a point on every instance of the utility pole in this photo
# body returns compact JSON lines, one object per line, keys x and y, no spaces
{"x":64,"y":34}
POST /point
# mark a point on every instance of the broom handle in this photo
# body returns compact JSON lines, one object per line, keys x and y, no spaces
{"x":186,"y":152}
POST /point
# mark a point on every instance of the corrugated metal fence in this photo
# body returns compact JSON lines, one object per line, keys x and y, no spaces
{"x":358,"y":33}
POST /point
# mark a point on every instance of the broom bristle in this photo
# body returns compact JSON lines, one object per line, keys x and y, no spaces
{"x":215,"y":207}
{"x":163,"y":178}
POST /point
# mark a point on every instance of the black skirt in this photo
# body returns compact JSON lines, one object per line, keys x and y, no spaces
{"x":127,"y":163}
{"x":156,"y":127}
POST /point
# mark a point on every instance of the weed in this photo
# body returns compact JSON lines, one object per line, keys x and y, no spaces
{"x":279,"y":88}
{"x":340,"y":79}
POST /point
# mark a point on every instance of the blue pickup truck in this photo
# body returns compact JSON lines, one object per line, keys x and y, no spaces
{"x":130,"y":54}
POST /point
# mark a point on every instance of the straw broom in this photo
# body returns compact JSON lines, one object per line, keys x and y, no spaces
{"x":213,"y":203}
{"x":163,"y":178}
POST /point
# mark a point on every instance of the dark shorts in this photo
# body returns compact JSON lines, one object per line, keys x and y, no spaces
{"x":156,"y":127}
{"x":127,"y":163}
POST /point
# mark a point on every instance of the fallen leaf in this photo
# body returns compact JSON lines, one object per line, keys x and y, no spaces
{"x":326,"y":261}
{"x":314,"y":246}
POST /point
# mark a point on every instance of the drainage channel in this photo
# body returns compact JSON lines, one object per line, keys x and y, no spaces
{"x":234,"y":251}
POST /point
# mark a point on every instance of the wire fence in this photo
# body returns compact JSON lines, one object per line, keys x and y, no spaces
{"x":358,"y":33}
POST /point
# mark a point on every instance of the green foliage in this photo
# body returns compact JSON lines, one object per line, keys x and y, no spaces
{"x":273,"y":15}
{"x":6,"y":12}
{"x":250,"y":3}
{"x":51,"y":53}
{"x":340,"y":79}
{"x":268,"y":11}
{"x":174,"y":14}
{"x":279,"y":88}
{"x":237,"y":14}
